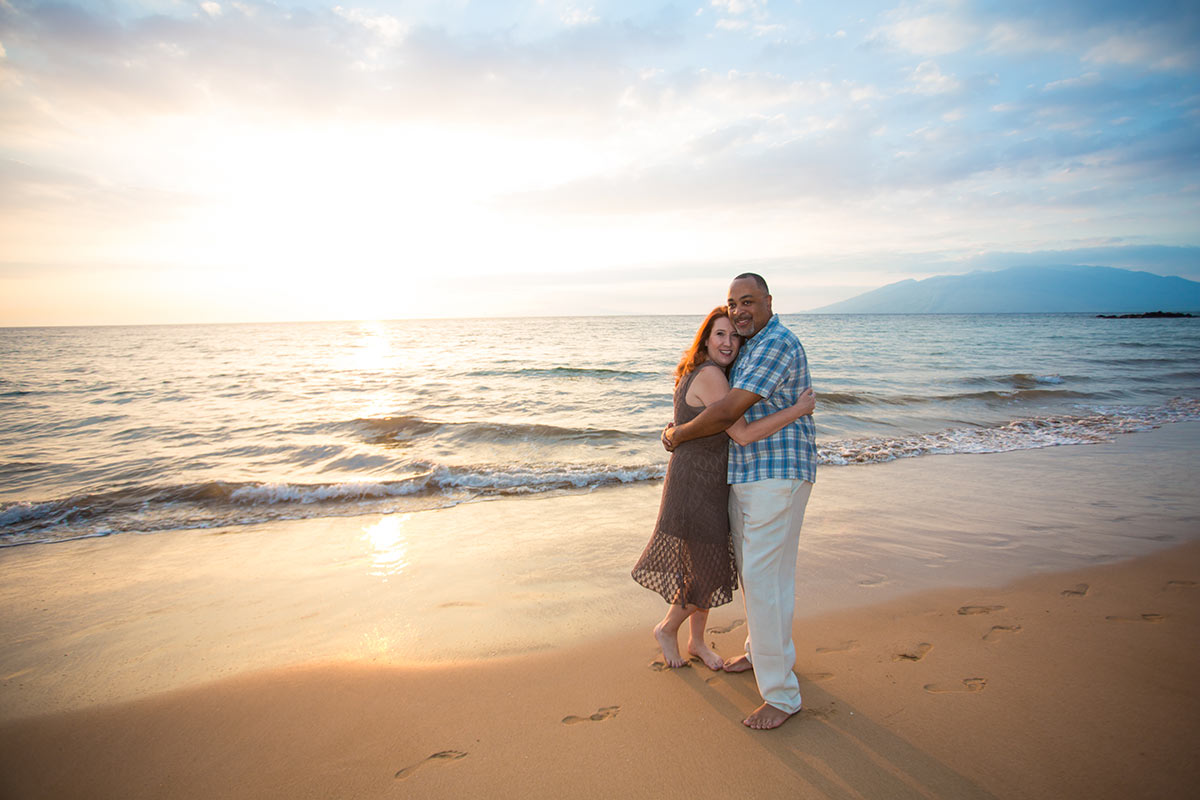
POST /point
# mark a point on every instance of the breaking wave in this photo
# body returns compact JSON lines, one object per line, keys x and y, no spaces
{"x":1021,"y":434}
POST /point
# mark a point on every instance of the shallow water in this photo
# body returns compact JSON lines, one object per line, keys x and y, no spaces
{"x":112,"y":429}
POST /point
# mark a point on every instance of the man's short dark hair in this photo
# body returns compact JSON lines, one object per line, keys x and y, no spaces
{"x":758,"y":280}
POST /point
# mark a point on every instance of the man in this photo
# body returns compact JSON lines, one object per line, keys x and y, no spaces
{"x":770,"y":482}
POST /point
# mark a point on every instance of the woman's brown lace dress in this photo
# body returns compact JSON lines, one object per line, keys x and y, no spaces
{"x":689,"y":559}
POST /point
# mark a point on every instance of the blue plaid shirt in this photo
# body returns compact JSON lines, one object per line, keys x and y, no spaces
{"x":773,"y":366}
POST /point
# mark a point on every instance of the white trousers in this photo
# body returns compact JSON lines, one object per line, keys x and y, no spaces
{"x":765,"y":519}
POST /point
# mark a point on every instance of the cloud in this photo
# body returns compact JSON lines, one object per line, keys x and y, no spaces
{"x":1183,"y":261}
{"x":928,"y":78}
{"x":85,"y":60}
{"x":1090,"y":79}
{"x":1023,"y":36}
{"x":928,"y":35}
{"x":23,"y":184}
{"x":390,"y":30}
{"x":851,"y":157}
{"x":310,"y":63}
{"x":1153,"y":35}
{"x":590,"y":78}
{"x":578,"y":16}
{"x":27,"y":187}
{"x":955,"y":125}
{"x":740,"y":6}
{"x":1156,"y":47}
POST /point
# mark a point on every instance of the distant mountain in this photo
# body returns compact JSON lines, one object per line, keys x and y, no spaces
{"x":1028,"y":290}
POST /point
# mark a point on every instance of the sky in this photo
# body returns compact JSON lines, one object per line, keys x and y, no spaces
{"x":177,"y":161}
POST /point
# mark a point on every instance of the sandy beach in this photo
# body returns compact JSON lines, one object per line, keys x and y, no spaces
{"x":1009,"y":625}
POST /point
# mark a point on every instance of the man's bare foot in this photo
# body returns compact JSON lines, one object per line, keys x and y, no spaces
{"x":739,"y":664}
{"x":669,"y":645}
{"x":706,"y":654}
{"x":766,"y":717}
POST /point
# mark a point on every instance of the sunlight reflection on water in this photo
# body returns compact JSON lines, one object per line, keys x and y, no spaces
{"x":388,"y":544}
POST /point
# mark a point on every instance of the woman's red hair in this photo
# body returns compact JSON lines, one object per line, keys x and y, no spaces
{"x":697,"y":354}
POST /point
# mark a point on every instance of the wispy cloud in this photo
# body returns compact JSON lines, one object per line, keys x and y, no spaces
{"x":487,"y":137}
{"x":928,"y":34}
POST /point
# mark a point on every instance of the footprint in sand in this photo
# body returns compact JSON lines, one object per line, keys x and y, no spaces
{"x":996,"y":630}
{"x":459,"y":604}
{"x":737,"y":623}
{"x":875,"y":580}
{"x":1178,"y":585}
{"x":967,"y":611}
{"x":1078,"y":590}
{"x":444,"y":755}
{"x":1141,"y":618}
{"x":966,"y":685}
{"x":913,"y":653}
{"x":816,"y":677}
{"x":841,"y":648}
{"x":608,"y":712}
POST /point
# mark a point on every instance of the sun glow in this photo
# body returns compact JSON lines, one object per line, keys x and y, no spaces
{"x":175,"y":162}
{"x":388,"y":546}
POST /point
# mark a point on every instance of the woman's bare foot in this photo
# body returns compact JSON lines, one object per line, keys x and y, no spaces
{"x":669,"y":645}
{"x":739,"y":664}
{"x":766,"y":717}
{"x":706,"y":654}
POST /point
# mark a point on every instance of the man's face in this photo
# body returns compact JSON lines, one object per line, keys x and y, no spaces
{"x":749,"y":306}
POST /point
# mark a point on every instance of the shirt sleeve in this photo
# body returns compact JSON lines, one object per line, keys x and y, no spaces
{"x":766,"y":368}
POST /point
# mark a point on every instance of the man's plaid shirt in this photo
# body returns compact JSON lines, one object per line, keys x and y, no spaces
{"x":773,"y":366}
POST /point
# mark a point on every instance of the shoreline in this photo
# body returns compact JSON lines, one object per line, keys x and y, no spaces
{"x":259,"y":503}
{"x":103,"y":620}
{"x":1005,"y":625}
{"x":1072,"y":684}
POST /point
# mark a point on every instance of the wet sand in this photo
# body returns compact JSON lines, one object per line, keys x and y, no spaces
{"x":1009,"y":625}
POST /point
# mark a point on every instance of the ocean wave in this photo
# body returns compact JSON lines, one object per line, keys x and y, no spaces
{"x":1038,"y":389}
{"x":1017,"y":380}
{"x":276,"y":493}
{"x":1159,"y":361}
{"x":570,"y":373}
{"x":847,"y":399}
{"x":523,"y":480}
{"x":150,"y":506}
{"x":216,"y":504}
{"x":12,"y":469}
{"x":400,"y":431}
{"x":1010,"y":395}
{"x":1021,"y":434}
{"x":481,"y":479}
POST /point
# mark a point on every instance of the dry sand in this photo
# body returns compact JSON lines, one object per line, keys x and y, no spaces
{"x":1072,"y":681}
{"x":1067,"y":685}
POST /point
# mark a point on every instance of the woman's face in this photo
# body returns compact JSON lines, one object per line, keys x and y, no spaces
{"x":723,"y":342}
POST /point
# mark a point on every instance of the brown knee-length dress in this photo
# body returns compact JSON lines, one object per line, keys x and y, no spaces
{"x":689,"y":559}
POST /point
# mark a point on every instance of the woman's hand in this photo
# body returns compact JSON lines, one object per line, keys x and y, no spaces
{"x":667,"y":444}
{"x":806,"y":403}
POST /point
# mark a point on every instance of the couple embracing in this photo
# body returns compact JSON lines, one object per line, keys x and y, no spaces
{"x":743,"y":463}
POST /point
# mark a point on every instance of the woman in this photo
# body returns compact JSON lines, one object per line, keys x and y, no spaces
{"x":689,"y":559}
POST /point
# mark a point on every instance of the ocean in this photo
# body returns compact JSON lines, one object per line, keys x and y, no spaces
{"x":115,"y":430}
